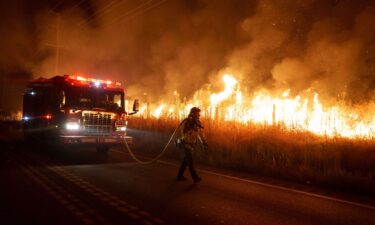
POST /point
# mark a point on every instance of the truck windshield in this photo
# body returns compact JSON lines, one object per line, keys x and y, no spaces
{"x":90,"y":98}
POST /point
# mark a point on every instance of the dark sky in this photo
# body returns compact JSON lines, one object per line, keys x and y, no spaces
{"x":158,"y":46}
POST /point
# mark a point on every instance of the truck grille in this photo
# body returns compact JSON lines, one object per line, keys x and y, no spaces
{"x":97,"y":123}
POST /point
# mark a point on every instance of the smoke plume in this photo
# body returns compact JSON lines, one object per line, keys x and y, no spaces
{"x":159,"y":46}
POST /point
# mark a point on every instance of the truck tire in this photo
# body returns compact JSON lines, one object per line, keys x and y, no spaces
{"x":27,"y":137}
{"x":102,"y":150}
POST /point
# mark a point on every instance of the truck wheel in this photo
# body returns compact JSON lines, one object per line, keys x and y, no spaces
{"x":28,"y":137}
{"x":102,"y":150}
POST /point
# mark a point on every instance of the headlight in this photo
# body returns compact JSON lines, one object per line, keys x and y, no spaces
{"x":121,"y":128}
{"x":72,"y":126}
{"x":121,"y":125}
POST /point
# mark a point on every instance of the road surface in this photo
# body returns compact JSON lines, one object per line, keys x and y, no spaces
{"x":79,"y":186}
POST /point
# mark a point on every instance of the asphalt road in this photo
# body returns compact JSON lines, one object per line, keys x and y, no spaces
{"x":79,"y":186}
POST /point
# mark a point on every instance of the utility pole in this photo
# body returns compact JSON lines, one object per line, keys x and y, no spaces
{"x":3,"y":88}
{"x":57,"y":44}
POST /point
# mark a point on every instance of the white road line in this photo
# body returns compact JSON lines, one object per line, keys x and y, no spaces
{"x":271,"y":185}
{"x":59,"y":194}
{"x":102,"y":195}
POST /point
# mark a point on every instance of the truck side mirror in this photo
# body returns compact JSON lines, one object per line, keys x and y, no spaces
{"x":136,"y":105}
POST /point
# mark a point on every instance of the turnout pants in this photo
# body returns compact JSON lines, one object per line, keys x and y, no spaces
{"x":187,"y":161}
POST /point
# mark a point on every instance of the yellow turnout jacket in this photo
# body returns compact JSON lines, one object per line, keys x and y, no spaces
{"x":191,"y":132}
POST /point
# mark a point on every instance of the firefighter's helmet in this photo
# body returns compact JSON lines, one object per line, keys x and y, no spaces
{"x":194,"y":110}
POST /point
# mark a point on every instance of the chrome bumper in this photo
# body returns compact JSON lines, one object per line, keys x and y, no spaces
{"x":95,"y":140}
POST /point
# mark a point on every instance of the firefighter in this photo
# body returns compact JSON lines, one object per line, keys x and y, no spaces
{"x":191,"y":132}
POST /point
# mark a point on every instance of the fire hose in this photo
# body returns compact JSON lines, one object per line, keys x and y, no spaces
{"x":131,"y":153}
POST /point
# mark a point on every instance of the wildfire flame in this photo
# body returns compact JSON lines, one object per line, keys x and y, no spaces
{"x":301,"y":113}
{"x":158,"y":111}
{"x":230,"y":84}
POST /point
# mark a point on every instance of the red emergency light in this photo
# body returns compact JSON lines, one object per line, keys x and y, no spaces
{"x":92,"y":81}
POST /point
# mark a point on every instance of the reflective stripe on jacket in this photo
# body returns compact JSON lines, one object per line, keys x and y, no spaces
{"x":191,"y":131}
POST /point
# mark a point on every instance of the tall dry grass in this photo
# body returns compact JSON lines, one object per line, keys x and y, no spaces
{"x":345,"y":164}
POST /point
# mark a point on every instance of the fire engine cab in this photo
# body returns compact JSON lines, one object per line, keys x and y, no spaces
{"x":73,"y":110}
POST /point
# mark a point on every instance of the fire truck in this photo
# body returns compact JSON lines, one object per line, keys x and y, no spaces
{"x":76,"y":111}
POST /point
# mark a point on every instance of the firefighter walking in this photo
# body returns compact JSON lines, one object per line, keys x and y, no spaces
{"x":191,"y":132}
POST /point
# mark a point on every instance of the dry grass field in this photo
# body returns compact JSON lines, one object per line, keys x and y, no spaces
{"x":339,"y":163}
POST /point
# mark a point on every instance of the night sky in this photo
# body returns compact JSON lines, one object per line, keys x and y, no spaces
{"x":158,"y":46}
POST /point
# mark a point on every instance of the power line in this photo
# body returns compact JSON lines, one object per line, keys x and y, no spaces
{"x":57,"y":44}
{"x":54,"y":8}
{"x":144,"y":7}
{"x":135,"y":9}
{"x":129,"y":12}
{"x":58,"y":4}
{"x":76,"y":5}
{"x":108,"y":8}
{"x":147,"y":9}
{"x":59,"y":21}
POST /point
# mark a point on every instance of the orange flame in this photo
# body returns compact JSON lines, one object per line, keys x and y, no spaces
{"x":300,"y":113}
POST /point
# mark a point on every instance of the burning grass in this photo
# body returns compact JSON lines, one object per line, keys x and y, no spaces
{"x":303,"y":112}
{"x":345,"y":164}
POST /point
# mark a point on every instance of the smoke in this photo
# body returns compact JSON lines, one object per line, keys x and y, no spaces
{"x":159,"y":46}
{"x":153,"y":47}
{"x":338,"y":57}
{"x":323,"y":45}
{"x":15,"y":48}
